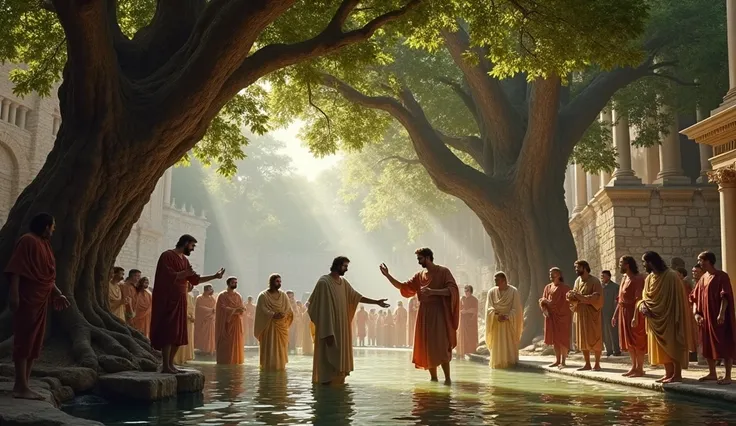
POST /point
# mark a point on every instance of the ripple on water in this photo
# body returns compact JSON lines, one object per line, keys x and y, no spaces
{"x":386,"y":390}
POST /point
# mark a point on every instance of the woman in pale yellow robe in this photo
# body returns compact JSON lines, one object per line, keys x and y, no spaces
{"x":186,"y":353}
{"x":504,"y":323}
{"x":272,"y":322}
{"x":307,"y":332}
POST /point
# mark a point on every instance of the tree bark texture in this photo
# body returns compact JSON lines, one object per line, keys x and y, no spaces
{"x":131,"y":109}
{"x":524,"y":140}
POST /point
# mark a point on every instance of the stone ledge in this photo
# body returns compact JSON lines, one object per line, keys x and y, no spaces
{"x":80,"y":379}
{"x":147,"y":386}
{"x":612,"y":374}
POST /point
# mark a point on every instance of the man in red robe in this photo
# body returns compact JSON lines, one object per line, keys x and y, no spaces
{"x":714,"y":312}
{"x":557,"y":317}
{"x":169,"y":315}
{"x":439,"y":313}
{"x":32,"y":274}
{"x":631,"y":338}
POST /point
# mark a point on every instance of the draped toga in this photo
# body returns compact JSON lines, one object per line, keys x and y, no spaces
{"x":503,"y":337}
{"x":588,"y":315}
{"x":273,"y":334}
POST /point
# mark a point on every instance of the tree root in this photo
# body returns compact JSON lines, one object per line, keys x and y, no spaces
{"x":97,"y":340}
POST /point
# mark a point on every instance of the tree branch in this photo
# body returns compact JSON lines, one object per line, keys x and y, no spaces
{"x":276,"y":56}
{"x":464,"y":96}
{"x":91,"y":58}
{"x":500,"y":121}
{"x":577,"y":116}
{"x":471,"y":145}
{"x":407,"y":161}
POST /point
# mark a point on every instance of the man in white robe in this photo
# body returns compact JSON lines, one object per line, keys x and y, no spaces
{"x":504,"y":323}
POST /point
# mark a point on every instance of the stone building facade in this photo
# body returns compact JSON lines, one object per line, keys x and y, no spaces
{"x":658,"y":199}
{"x":28,"y":128}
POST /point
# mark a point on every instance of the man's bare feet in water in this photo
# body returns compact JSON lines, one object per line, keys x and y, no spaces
{"x":27,"y":394}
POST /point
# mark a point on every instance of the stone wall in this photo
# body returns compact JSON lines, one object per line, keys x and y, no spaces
{"x":28,"y":128}
{"x":675,"y":222}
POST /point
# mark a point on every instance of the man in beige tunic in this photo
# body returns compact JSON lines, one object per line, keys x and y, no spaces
{"x":504,"y":323}
{"x":272,"y":321}
{"x":586,"y":300}
{"x":115,"y":294}
{"x":332,"y":306}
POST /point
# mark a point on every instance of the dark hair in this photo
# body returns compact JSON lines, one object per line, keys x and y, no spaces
{"x":133,"y":272}
{"x":272,"y":279}
{"x":682,"y":271}
{"x":606,"y":272}
{"x":584,"y":264}
{"x":227,"y":281}
{"x":559,"y":271}
{"x":184,"y":240}
{"x":677,"y":262}
{"x":500,"y":274}
{"x":426,"y":252}
{"x":117,"y":269}
{"x":656,"y":260}
{"x":208,"y":287}
{"x":338,"y":262}
{"x":629,"y":260}
{"x":709,"y":256}
{"x":469,"y":288}
{"x":40,"y":222}
{"x":139,"y":284}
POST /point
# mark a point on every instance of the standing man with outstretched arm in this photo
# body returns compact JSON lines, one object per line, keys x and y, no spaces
{"x":32,"y":273}
{"x":174,"y":273}
{"x":332,"y":306}
{"x":439,"y":313}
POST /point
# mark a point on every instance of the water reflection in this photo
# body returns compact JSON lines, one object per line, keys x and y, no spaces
{"x":386,"y":390}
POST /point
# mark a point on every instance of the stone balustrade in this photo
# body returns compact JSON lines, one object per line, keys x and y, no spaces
{"x":14,"y":113}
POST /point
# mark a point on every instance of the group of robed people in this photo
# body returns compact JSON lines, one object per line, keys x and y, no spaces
{"x":657,"y":314}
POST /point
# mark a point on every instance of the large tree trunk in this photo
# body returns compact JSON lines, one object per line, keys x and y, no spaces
{"x":95,"y":183}
{"x":530,"y":234}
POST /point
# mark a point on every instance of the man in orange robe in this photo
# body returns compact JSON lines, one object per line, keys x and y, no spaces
{"x":361,"y":319}
{"x":586,"y":298}
{"x":128,"y":290}
{"x":413,"y":311}
{"x":631,"y":339}
{"x":31,"y":271}
{"x":229,"y":325}
{"x":204,"y":321}
{"x":400,"y":320}
{"x":389,"y":329}
{"x":557,"y":316}
{"x":467,"y":331}
{"x":714,"y":313}
{"x":141,"y":321}
{"x":248,"y":320}
{"x":169,"y":314}
{"x":438,"y":316}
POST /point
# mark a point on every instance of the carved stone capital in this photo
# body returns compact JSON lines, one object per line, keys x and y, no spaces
{"x":723,"y":175}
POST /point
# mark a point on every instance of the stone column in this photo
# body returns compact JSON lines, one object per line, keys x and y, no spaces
{"x":731,"y":32}
{"x":651,"y":157}
{"x":623,"y":175}
{"x":726,"y":179}
{"x":581,"y":189}
{"x":167,"y":187}
{"x":595,"y":184}
{"x":606,"y":120}
{"x":5,"y":109}
{"x":670,"y":159}
{"x":13,"y":112}
{"x":706,"y":151}
{"x":22,"y":115}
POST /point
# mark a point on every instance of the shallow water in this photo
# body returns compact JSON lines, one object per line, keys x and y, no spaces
{"x":385,"y":389}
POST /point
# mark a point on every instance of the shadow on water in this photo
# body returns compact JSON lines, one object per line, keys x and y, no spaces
{"x":386,"y":390}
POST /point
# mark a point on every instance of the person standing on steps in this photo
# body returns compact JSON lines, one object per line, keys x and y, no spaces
{"x":169,"y":311}
{"x":586,"y":299}
{"x":32,"y":274}
{"x":610,"y":328}
{"x":439,"y":313}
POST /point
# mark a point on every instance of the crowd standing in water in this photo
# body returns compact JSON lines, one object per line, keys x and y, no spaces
{"x":663,"y":314}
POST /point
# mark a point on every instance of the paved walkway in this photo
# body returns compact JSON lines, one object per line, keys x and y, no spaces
{"x":612,"y":374}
